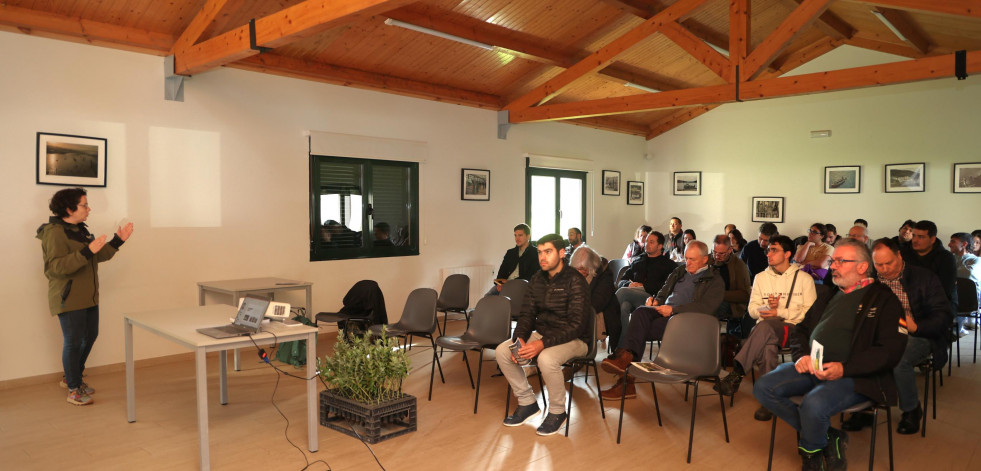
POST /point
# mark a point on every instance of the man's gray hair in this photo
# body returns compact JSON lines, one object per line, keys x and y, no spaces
{"x":698,"y":245}
{"x":862,"y":253}
{"x":586,"y":257}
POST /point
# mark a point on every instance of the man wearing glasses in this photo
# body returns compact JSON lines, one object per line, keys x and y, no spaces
{"x":861,"y":339}
{"x":754,"y":253}
{"x":735,"y":276}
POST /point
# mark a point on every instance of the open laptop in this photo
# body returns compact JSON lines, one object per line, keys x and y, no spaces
{"x":250,"y":313}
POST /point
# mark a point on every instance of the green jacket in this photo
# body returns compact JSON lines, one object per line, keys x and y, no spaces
{"x":71,"y":268}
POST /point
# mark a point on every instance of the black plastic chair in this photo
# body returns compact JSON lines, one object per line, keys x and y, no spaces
{"x":967,"y":299}
{"x":690,"y":354}
{"x":932,"y":371}
{"x":418,"y":319}
{"x":515,"y":290}
{"x":363,"y":305}
{"x":618,"y":267}
{"x":454,"y":296}
{"x":488,"y":328}
{"x":867,"y":406}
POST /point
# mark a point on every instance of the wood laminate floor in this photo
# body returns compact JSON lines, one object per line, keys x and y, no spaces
{"x":40,"y":431}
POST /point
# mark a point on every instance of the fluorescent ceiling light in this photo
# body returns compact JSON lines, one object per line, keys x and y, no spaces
{"x":717,"y":49}
{"x":640,"y":87}
{"x":433,"y":32}
{"x":878,"y":14}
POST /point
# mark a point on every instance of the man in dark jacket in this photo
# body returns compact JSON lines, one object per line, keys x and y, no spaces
{"x":521,"y":262}
{"x":735,"y":275}
{"x":926,"y":318}
{"x":695,"y":287}
{"x":643,"y":279}
{"x":754,"y":253}
{"x":554,"y":327}
{"x":928,"y":252}
{"x":861,"y":342}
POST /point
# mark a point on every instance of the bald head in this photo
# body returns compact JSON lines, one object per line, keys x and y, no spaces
{"x":859,"y":233}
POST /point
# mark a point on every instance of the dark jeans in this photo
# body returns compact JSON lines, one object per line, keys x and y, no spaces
{"x":645,"y":324}
{"x":80,"y":328}
{"x":822,"y":399}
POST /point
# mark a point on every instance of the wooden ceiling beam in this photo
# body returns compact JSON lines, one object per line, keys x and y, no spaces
{"x":676,"y":119}
{"x":205,"y":16}
{"x":829,"y":23}
{"x":94,"y":32}
{"x":904,"y":50}
{"x":298,"y":21}
{"x":791,"y":27}
{"x":697,"y":48}
{"x":605,"y":55}
{"x":621,"y":73}
{"x":608,"y":123}
{"x":641,"y":8}
{"x":926,"y":68}
{"x":949,"y":7}
{"x":740,"y":35}
{"x":910,"y":33}
{"x":273,"y":63}
{"x":802,"y":56}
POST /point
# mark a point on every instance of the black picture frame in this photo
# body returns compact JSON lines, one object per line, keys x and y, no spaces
{"x":905,"y":178}
{"x":687,"y":183}
{"x":843,"y":179}
{"x":611,"y":183}
{"x":70,"y":160}
{"x":768,"y":208}
{"x":635,"y":192}
{"x":966,"y":178}
{"x":474,"y":184}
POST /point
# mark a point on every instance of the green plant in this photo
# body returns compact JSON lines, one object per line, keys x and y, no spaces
{"x":364,"y":370}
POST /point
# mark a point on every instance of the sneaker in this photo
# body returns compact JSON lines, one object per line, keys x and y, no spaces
{"x":857,"y":422}
{"x":78,"y":397}
{"x":616,"y":391}
{"x":910,"y":421}
{"x":521,"y":415}
{"x":834,"y":452}
{"x":618,"y":365}
{"x":763,"y":414}
{"x":84,"y":387}
{"x":811,"y":460}
{"x":552,"y":423}
{"x":729,"y":385}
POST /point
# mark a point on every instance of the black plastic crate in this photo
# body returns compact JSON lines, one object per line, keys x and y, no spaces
{"x":374,"y":422}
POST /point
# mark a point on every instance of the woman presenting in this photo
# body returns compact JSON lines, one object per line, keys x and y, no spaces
{"x":71,"y":258}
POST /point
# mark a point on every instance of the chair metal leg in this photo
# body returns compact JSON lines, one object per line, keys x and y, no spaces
{"x":934,"y":379}
{"x":623,"y":400}
{"x":480,"y":367}
{"x":725,"y":424}
{"x":568,"y":401}
{"x":875,"y":424}
{"x":773,"y":434}
{"x":926,"y":400}
{"x":436,"y":361}
{"x":467,"y":362}
{"x":889,"y":429}
{"x":507,"y":401}
{"x":691,"y":427}
{"x":657,"y":407}
{"x":598,"y":389}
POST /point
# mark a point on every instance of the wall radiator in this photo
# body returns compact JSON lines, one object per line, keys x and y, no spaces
{"x":481,"y":279}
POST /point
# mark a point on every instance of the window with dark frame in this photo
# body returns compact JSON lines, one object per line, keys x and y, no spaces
{"x":555,"y":200}
{"x":363,"y":208}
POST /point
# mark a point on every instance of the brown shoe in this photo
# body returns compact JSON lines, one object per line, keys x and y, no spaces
{"x":618,"y":365}
{"x":616,"y":391}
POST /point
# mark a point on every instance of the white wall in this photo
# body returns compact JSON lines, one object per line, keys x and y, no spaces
{"x":261,"y":190}
{"x":764,"y":148}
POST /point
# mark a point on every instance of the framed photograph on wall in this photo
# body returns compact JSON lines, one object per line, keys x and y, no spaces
{"x":768,"y":209}
{"x":63,"y":159}
{"x":967,"y":177}
{"x":635,"y":192}
{"x":843,"y":179}
{"x":905,"y":178}
{"x":687,"y":183}
{"x":611,"y":182}
{"x":474,"y":184}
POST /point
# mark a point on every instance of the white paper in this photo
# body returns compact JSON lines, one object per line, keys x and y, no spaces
{"x":817,"y":355}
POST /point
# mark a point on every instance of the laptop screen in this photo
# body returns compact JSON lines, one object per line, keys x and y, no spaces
{"x":251,"y":311}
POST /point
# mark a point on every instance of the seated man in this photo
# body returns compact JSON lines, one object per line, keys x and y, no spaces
{"x":643,"y":279}
{"x":575,"y":241}
{"x":968,"y":266}
{"x":735,"y":276}
{"x":862,"y":342}
{"x":695,"y":287}
{"x":674,"y":239}
{"x":519,"y":262}
{"x":754,"y":253}
{"x":926,"y":316}
{"x":382,"y":233}
{"x":779,"y":301}
{"x":554,"y":326}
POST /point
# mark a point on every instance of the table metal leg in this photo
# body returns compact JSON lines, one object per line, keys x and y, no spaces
{"x":235,"y":297}
{"x":130,"y":372}
{"x":223,"y":377}
{"x":201,"y":373}
{"x":312,"y":419}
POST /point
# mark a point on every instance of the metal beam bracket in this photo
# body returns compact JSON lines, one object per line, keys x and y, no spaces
{"x":173,"y":83}
{"x":503,"y":124}
{"x":252,"y":43}
{"x":960,"y":64}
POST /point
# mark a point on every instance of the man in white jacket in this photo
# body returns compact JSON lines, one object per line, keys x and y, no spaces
{"x":779,"y":300}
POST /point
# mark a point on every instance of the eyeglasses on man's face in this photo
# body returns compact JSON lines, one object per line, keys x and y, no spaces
{"x":841,"y":261}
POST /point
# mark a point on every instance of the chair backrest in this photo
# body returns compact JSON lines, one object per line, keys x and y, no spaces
{"x":691,"y":344}
{"x":419,"y":314}
{"x":455,"y":293}
{"x":490,"y":321}
{"x":616,"y":267}
{"x":591,"y":353}
{"x":967,"y":295}
{"x":515,"y":290}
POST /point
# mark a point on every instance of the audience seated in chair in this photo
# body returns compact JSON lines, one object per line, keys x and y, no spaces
{"x":814,"y":256}
{"x":553,"y":326}
{"x":674,"y":239}
{"x":754,"y":253}
{"x":644,"y":278}
{"x":519,"y":262}
{"x":968,"y":266}
{"x":735,"y":275}
{"x":602,"y":295}
{"x":927,"y":251}
{"x":636,"y":247}
{"x":575,"y":241}
{"x":780,"y":298}
{"x":695,"y":287}
{"x":862,"y":343}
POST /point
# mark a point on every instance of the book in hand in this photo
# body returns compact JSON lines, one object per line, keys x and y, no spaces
{"x":651,"y":367}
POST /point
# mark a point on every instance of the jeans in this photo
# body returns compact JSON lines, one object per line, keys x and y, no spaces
{"x":79,"y":328}
{"x":822,"y":399}
{"x":550,"y":362}
{"x":629,"y":299}
{"x":917,"y":349}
